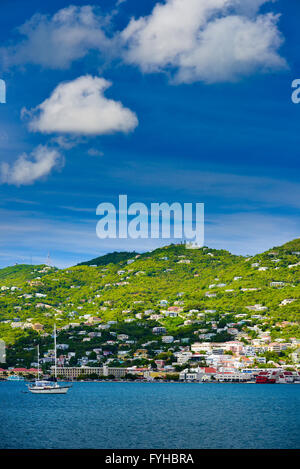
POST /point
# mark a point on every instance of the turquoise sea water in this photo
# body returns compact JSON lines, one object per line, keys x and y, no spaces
{"x":151,"y":416}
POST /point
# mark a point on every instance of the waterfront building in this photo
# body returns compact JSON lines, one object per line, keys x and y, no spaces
{"x":233,"y":376}
{"x":74,"y":372}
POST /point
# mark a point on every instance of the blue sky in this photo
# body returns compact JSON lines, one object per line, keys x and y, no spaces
{"x":195,"y":108}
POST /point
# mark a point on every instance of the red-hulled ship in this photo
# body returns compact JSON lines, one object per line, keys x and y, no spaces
{"x":265,"y":378}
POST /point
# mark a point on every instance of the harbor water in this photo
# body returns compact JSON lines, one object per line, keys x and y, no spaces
{"x":111,"y":415}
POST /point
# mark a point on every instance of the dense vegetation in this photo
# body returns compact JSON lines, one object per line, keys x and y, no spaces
{"x":111,"y":258}
{"x":205,"y":285}
{"x":19,"y":274}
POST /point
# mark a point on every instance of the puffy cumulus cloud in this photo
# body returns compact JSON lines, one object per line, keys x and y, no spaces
{"x":198,"y":40}
{"x":57,"y":41}
{"x":80,"y":107}
{"x":205,"y":40}
{"x":29,"y":168}
{"x":249,"y":46}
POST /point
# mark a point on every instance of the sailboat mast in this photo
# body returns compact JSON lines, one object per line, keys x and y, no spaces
{"x":38,"y":354}
{"x":55,"y":355}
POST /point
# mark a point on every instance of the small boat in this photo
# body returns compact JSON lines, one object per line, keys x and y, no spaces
{"x":44,"y":386}
{"x":47,"y":387}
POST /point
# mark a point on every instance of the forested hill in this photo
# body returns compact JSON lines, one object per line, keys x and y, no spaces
{"x":130,"y":288}
{"x":113,"y":257}
{"x":20,"y":273}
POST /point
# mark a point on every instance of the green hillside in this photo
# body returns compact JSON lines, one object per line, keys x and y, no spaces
{"x":20,"y":273}
{"x":289,"y":247}
{"x":205,"y":286}
{"x":113,"y":257}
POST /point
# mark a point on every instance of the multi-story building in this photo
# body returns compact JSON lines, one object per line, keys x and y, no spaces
{"x":76,"y":371}
{"x":232,"y":376}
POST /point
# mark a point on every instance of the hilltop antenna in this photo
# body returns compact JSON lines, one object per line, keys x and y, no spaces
{"x":48,"y":261}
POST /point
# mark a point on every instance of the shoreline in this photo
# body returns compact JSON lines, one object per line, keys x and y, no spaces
{"x":150,"y":382}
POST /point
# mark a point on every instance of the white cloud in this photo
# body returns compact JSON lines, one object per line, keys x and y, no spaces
{"x":205,"y":40}
{"x":29,"y":168}
{"x":57,"y":41}
{"x":65,"y":142}
{"x":197,"y":40}
{"x":80,"y":107}
{"x":95,"y":152}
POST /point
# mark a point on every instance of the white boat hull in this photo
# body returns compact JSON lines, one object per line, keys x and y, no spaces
{"x":58,"y":390}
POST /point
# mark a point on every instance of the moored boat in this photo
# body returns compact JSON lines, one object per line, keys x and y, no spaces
{"x":48,"y":387}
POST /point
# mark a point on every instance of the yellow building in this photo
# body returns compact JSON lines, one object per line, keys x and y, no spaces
{"x":141,"y":353}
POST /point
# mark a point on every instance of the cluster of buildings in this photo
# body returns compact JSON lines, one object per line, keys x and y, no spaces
{"x":10,"y":372}
{"x":200,"y":355}
{"x":243,"y":375}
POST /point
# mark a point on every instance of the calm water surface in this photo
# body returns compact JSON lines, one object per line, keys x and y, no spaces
{"x":158,"y":415}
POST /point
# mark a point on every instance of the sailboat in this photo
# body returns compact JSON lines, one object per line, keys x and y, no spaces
{"x":48,"y":387}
